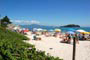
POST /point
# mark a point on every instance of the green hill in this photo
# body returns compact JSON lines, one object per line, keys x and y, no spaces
{"x":71,"y":25}
{"x":12,"y":47}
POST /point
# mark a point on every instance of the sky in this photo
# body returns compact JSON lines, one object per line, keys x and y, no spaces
{"x":47,"y":12}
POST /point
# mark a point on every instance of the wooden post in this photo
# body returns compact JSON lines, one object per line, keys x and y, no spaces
{"x":74,"y":49}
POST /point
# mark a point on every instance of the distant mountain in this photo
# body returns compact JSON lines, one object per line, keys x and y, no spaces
{"x":71,"y":25}
{"x":47,"y":27}
{"x":38,"y":26}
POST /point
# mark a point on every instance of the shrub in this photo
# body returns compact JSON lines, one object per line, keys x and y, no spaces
{"x":12,"y":47}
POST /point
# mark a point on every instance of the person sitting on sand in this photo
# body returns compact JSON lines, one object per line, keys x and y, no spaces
{"x":54,"y":35}
{"x":65,"y":38}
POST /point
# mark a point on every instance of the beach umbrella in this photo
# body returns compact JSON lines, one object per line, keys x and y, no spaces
{"x":26,"y":30}
{"x":44,"y":30}
{"x":39,"y":29}
{"x":86,"y":32}
{"x":57,"y":30}
{"x":80,"y":30}
{"x":71,"y":32}
{"x":34,"y":29}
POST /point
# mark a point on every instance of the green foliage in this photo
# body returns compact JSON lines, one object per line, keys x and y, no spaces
{"x":71,"y":25}
{"x":12,"y":47}
{"x":5,"y":21}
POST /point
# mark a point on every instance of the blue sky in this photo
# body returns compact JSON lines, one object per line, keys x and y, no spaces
{"x":47,"y":12}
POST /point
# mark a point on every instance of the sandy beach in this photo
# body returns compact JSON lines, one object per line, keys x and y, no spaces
{"x":53,"y":46}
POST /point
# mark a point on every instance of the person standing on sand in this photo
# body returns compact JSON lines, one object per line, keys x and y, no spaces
{"x":69,"y":38}
{"x":75,"y":37}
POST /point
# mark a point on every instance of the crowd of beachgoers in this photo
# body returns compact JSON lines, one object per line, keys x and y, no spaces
{"x":66,"y":37}
{"x":58,"y":43}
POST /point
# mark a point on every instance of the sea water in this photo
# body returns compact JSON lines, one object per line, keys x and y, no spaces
{"x":64,"y":29}
{"x":83,"y":28}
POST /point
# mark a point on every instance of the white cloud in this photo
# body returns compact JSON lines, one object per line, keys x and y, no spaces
{"x":35,"y":22}
{"x":25,"y":22}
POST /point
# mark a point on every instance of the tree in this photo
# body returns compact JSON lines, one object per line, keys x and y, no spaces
{"x":5,"y":21}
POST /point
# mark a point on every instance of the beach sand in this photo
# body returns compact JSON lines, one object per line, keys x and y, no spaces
{"x":53,"y":46}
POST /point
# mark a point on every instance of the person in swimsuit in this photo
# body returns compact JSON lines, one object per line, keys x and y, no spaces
{"x":75,"y":37}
